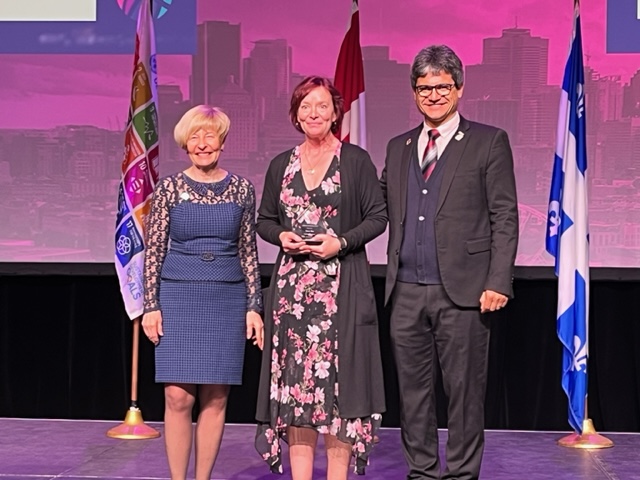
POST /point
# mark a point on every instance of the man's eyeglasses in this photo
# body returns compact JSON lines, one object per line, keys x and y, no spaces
{"x":443,"y":89}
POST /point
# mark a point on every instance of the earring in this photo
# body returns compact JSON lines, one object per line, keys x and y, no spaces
{"x":297,"y":123}
{"x":334,"y":124}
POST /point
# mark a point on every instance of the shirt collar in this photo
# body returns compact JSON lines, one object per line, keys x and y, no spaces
{"x":447,"y":128}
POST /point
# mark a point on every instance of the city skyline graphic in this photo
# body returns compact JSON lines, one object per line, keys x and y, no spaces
{"x":61,"y":131}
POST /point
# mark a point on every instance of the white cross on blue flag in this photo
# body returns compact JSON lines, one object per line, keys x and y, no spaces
{"x":568,"y":230}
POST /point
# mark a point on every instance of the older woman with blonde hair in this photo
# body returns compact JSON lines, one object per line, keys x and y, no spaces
{"x":202,"y":289}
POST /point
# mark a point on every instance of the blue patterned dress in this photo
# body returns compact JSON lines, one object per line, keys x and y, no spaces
{"x":201,"y":272}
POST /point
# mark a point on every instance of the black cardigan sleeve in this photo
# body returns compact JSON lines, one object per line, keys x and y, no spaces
{"x":371,"y":219}
{"x":269,"y":225}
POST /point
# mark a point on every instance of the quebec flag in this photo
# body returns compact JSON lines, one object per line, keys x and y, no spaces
{"x":567,"y":236}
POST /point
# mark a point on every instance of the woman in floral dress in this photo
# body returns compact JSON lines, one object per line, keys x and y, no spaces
{"x":321,"y":370}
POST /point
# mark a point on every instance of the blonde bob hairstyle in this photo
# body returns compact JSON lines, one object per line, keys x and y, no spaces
{"x":201,"y":117}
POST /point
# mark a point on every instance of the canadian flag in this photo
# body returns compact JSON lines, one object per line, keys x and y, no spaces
{"x":349,"y":80}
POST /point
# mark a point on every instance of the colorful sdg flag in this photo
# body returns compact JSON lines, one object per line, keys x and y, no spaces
{"x":139,"y":167}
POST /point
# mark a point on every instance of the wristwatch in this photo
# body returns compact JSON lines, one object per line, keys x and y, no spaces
{"x":343,"y":245}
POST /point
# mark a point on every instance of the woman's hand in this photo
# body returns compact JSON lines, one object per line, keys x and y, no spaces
{"x":292,"y":243}
{"x":329,"y":247}
{"x":152,"y":326}
{"x":255,"y":329}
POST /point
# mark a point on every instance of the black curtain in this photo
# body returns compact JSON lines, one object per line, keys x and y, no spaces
{"x":65,"y":352}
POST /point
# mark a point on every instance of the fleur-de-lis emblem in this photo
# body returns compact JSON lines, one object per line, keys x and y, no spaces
{"x":579,"y":355}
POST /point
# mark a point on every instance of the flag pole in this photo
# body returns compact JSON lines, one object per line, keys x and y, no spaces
{"x":567,"y":240}
{"x":133,"y":427}
{"x":588,"y":438}
{"x":349,"y":81}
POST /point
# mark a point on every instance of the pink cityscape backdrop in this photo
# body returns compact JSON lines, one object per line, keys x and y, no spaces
{"x":62,"y":116}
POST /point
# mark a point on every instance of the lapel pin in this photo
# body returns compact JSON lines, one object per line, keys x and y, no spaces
{"x":408,"y":141}
{"x":459,"y":135}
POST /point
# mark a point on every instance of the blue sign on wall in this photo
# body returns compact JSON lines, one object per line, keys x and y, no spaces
{"x":623,"y":26}
{"x":113,"y":32}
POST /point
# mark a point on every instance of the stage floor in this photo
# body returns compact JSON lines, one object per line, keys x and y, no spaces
{"x":74,"y":450}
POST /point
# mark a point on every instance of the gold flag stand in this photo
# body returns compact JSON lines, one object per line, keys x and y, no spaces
{"x":589,"y":439}
{"x":133,"y":427}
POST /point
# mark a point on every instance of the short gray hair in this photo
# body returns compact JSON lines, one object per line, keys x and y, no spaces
{"x":436,"y":59}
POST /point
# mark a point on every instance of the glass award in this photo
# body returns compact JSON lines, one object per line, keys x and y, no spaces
{"x":308,"y":224}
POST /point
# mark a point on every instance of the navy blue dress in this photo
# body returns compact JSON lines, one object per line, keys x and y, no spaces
{"x":201,"y":272}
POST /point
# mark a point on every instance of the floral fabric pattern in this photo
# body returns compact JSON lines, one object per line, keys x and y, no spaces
{"x":305,"y":352}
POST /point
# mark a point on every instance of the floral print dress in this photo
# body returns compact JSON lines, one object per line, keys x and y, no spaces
{"x":304,"y":357}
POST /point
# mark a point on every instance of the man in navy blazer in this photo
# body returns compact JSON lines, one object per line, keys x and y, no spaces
{"x":453,"y":235}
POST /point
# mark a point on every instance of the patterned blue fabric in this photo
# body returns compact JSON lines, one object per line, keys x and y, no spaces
{"x":201,"y":272}
{"x":204,"y":243}
{"x":202,"y":232}
{"x":204,"y":332}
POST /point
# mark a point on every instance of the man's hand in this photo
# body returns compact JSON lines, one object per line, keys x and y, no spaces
{"x":491,"y":301}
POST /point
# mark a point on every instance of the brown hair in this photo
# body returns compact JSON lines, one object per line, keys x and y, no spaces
{"x":304,"y":88}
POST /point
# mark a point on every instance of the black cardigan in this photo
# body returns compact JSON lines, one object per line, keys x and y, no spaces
{"x":362,"y":218}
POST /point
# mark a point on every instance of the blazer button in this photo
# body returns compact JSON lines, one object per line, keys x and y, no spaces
{"x":397,"y":252}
